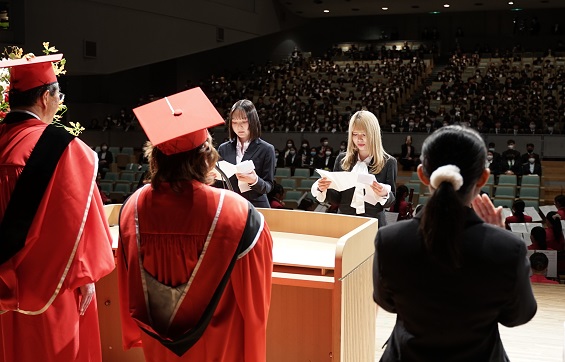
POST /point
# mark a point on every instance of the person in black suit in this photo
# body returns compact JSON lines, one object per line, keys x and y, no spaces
{"x":245,"y":144}
{"x":466,"y":276}
{"x":364,"y":155}
{"x":105,"y":159}
{"x":293,"y":159}
{"x":529,"y":154}
{"x":493,"y":164}
{"x":531,"y":167}
{"x":510,"y":165}
{"x":407,"y":155}
{"x":326,"y":160}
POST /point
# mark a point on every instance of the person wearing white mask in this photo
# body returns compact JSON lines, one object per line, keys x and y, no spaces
{"x":493,"y":164}
{"x":364,"y":155}
{"x":531,"y":167}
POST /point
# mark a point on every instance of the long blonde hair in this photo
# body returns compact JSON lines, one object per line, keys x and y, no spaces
{"x":368,"y":122}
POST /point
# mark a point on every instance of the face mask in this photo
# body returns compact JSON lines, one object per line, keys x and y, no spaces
{"x":532,"y":126}
{"x":289,"y":145}
{"x":342,"y":147}
{"x":304,"y":145}
{"x":510,"y":147}
{"x":550,"y":129}
{"x":489,"y":157}
{"x":276,"y":155}
{"x":104,"y":148}
{"x":325,"y":143}
{"x":328,"y":153}
{"x":292,"y":152}
{"x":491,"y":149}
{"x":531,"y":160}
{"x":411,"y":124}
{"x":428,"y":125}
{"x":313,"y":153}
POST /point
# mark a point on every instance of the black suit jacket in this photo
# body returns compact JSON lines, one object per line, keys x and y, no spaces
{"x":446,"y":315}
{"x":263,"y":156}
{"x":343,"y":198}
{"x":404,"y":151}
{"x":526,"y":169}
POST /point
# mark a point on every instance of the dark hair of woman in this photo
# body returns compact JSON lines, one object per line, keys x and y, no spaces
{"x":518,"y":209}
{"x":444,"y":214}
{"x":401,"y":193}
{"x":555,"y":223}
{"x":538,"y":233}
{"x":179,"y":168}
{"x":246,"y":107}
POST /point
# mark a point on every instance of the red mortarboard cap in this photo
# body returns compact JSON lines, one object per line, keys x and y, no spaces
{"x":178,"y":123}
{"x":27,"y":73}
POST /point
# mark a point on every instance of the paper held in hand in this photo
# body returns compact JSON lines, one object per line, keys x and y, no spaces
{"x":230,"y":169}
{"x":343,"y":180}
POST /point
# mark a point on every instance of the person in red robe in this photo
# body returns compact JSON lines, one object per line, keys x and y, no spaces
{"x":194,"y":261}
{"x":54,"y":237}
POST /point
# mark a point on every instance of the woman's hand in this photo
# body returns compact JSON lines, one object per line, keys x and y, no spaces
{"x":323,"y":184}
{"x":87,"y":294}
{"x":379,"y":189}
{"x":486,"y":210}
{"x":249,"y":178}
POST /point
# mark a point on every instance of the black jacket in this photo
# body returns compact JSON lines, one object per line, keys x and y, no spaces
{"x":446,"y":315}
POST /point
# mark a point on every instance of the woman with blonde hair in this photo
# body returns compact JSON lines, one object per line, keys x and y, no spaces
{"x":364,"y":155}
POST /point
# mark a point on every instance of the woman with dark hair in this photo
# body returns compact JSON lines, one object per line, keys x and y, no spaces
{"x":537,"y":237}
{"x":401,"y":206}
{"x":453,"y":256}
{"x":365,"y":155}
{"x":276,"y":196}
{"x":245,"y":144}
{"x":554,"y":231}
{"x":194,"y":261}
{"x":518,"y":215}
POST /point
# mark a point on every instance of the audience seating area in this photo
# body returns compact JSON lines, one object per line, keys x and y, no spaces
{"x":505,"y":189}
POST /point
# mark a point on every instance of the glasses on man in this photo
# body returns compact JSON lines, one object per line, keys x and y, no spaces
{"x":61,"y":96}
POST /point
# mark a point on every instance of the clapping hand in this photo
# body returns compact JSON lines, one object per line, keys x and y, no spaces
{"x":486,"y":210}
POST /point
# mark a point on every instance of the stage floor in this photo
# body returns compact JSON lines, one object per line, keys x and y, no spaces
{"x":542,"y":339}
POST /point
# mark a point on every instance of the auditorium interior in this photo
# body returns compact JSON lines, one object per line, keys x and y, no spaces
{"x":495,"y":66}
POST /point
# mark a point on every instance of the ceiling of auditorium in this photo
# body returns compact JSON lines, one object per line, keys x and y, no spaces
{"x":338,"y":8}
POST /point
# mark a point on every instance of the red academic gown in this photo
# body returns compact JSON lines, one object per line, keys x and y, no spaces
{"x":68,"y":245}
{"x":173,"y":229}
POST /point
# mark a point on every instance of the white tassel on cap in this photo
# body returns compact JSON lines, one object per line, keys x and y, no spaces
{"x":447,"y":173}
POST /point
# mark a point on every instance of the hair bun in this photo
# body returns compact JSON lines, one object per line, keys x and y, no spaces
{"x":447,"y":173}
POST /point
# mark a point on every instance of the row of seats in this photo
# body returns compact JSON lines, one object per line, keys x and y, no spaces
{"x":503,"y":193}
{"x":287,"y":172}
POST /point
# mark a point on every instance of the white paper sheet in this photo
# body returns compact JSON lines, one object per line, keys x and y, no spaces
{"x":547,"y":208}
{"x":230,"y":169}
{"x":341,"y":180}
{"x":531,"y":211}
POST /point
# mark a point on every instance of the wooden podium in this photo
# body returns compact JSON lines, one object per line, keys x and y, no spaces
{"x":321,"y":307}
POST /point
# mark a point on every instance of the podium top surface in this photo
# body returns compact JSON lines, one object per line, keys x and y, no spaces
{"x":308,"y":251}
